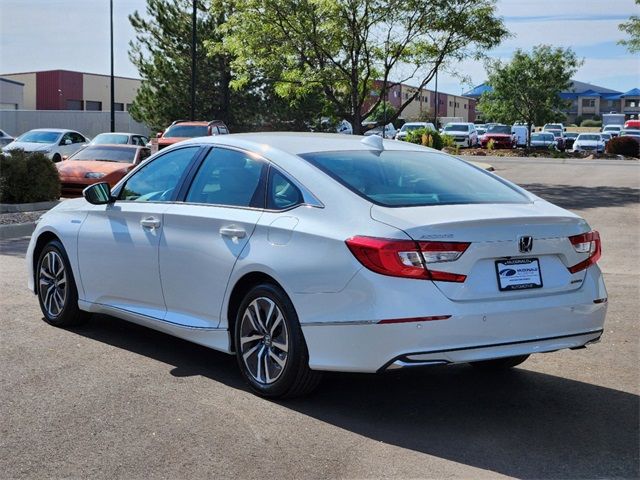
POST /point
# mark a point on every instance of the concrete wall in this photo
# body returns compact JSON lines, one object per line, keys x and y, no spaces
{"x":16,"y":122}
{"x":11,"y":94}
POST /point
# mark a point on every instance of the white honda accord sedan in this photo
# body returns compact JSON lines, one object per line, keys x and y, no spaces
{"x":301,"y":253}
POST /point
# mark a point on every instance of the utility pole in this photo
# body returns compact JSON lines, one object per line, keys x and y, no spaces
{"x":113,"y":96}
{"x":193,"y":60}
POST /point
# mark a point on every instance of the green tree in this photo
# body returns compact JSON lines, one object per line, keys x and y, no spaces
{"x":632,"y":27}
{"x":162,"y":53}
{"x":349,"y":48}
{"x":383,"y":113}
{"x":528,"y":87}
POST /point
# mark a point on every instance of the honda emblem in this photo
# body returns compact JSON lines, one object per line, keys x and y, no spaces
{"x":525,"y":243}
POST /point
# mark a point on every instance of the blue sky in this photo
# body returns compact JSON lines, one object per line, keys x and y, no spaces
{"x":74,"y":35}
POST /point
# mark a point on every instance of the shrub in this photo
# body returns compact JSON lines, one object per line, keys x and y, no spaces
{"x":591,"y":123}
{"x":426,"y":137}
{"x":491,"y":144}
{"x":26,"y":178}
{"x":626,"y":146}
{"x":448,"y":141}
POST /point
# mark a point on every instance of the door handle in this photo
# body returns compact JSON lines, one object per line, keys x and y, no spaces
{"x":233,"y":232}
{"x":150,"y":222}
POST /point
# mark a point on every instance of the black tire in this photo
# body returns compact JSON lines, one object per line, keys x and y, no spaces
{"x":56,"y":158}
{"x":500,"y":363}
{"x":294,"y":378}
{"x":68,"y":315}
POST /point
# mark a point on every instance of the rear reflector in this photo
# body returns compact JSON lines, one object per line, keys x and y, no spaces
{"x":416,"y":319}
{"x":588,"y":243}
{"x":406,"y":258}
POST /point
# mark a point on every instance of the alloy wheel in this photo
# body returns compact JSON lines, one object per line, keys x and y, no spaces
{"x":52,"y":286}
{"x":264,"y":340}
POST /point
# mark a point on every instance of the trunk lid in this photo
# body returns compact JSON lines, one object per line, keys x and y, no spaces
{"x":494,"y":231}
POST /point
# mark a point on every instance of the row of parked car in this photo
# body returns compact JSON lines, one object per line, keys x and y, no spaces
{"x":108,"y":157}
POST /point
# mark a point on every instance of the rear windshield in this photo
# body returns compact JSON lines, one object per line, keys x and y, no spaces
{"x":106,"y":154}
{"x":111,"y":138}
{"x":405,"y":179}
{"x":186,"y":131}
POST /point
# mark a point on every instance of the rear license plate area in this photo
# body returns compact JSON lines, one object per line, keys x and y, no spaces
{"x":518,"y":274}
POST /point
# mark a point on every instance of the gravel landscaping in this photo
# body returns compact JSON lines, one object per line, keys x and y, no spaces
{"x":20,"y":217}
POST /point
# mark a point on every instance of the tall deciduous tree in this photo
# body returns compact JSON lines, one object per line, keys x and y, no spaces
{"x":162,"y":53}
{"x":528,"y":87}
{"x":343,"y":46}
{"x":632,"y":27}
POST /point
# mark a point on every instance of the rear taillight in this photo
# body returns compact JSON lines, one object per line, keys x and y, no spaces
{"x":406,"y":258}
{"x":588,"y":243}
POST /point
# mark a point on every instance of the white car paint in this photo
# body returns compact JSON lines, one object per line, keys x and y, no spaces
{"x":463,"y":134}
{"x":589,"y":142}
{"x":178,"y":277}
{"x":63,"y":143}
{"x":407,"y":127}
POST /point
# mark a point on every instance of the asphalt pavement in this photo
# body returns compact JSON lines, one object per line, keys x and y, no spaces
{"x":115,"y":400}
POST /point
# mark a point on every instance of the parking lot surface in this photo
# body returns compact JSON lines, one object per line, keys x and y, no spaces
{"x":114,"y":400}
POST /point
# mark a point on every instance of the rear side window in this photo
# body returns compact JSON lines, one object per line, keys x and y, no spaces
{"x":404,"y":179}
{"x":229,"y":177}
{"x":282,"y":193}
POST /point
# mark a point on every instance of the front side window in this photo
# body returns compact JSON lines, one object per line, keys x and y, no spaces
{"x":403,"y":179}
{"x":228,"y":177}
{"x":157,"y":181}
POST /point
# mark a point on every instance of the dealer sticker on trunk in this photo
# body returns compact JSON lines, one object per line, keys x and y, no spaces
{"x":518,"y":274}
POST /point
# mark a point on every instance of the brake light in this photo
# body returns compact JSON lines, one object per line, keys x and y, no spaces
{"x":406,"y":258}
{"x":588,"y":243}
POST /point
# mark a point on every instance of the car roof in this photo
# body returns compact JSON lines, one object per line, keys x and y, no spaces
{"x":122,"y":133}
{"x":57,"y":130}
{"x":298,"y":143}
{"x":115,"y":145}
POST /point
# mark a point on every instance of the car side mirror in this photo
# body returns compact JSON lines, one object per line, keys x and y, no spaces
{"x":98,"y":194}
{"x":565,"y":129}
{"x":158,"y":135}
{"x":67,"y":142}
{"x":64,"y":157}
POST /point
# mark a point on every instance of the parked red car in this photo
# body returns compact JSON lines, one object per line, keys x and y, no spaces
{"x":501,"y":135}
{"x":632,"y":125}
{"x":184,"y":129}
{"x":98,"y":163}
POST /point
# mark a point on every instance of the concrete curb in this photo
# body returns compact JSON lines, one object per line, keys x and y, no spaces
{"x":27,"y":207}
{"x":16,"y":230}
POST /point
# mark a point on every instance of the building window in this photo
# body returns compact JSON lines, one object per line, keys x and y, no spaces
{"x":450,"y":103}
{"x":465,"y":106}
{"x":74,"y":104}
{"x":93,"y":106}
{"x":396,"y":94}
{"x":630,"y":103}
{"x":118,"y":107}
{"x":588,"y":102}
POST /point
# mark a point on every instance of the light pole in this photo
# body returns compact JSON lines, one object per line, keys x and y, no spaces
{"x":113,"y":97}
{"x":193,"y":60}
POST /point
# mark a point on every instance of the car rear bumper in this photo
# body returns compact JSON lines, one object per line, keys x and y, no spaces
{"x":470,"y":330}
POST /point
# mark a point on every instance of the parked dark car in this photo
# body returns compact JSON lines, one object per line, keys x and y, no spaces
{"x":569,"y":138}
